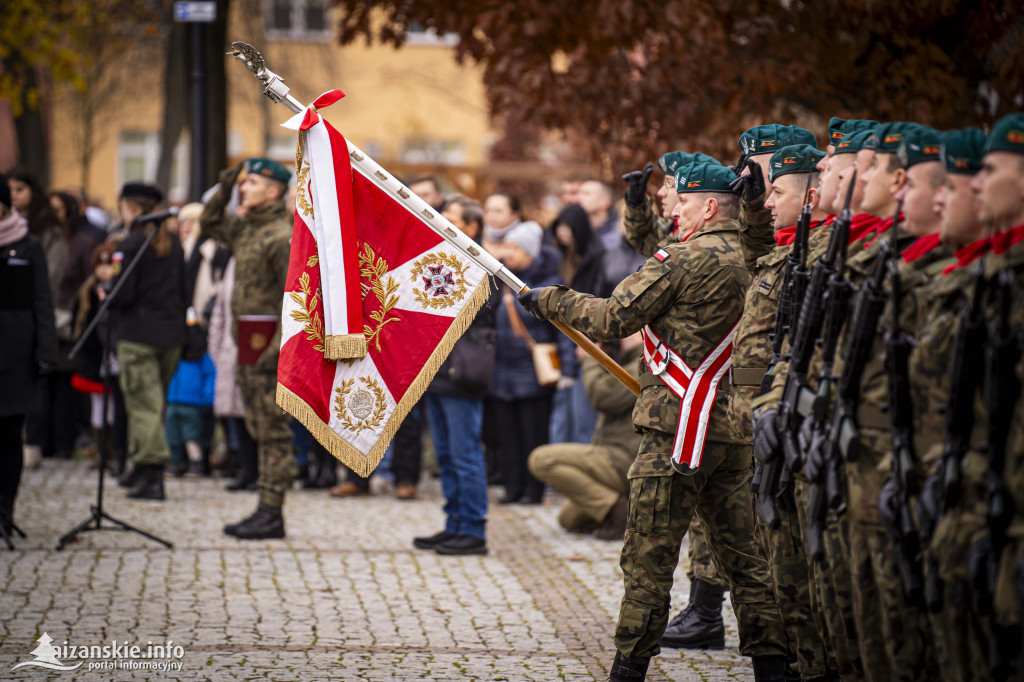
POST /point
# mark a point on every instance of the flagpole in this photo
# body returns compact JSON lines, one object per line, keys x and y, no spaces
{"x":276,"y":91}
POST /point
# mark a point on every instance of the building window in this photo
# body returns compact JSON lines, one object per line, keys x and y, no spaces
{"x":449,"y":153}
{"x":417,"y":35}
{"x":297,"y":20}
{"x":138,"y":154}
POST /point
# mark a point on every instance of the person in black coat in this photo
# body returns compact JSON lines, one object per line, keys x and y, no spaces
{"x":28,"y":341}
{"x":150,"y":332}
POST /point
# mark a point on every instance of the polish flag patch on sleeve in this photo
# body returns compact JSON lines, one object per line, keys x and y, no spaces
{"x":661,"y":255}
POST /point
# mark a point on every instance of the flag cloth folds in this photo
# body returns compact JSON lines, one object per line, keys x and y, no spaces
{"x":417,"y":294}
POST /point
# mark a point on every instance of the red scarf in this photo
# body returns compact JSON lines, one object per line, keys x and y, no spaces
{"x":787,"y":235}
{"x":921,"y":246}
{"x":880,"y":228}
{"x":1002,"y":242}
{"x":966,"y":255}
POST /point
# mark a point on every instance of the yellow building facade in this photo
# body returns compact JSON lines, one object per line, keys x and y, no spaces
{"x":411,"y":108}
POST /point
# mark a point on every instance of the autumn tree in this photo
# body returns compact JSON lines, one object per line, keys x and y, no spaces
{"x":634,"y":79}
{"x":67,"y":48}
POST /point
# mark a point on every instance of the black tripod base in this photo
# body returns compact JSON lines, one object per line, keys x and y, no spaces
{"x":95,"y":522}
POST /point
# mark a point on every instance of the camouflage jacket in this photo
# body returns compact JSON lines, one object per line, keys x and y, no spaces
{"x":692,"y":298}
{"x":645,"y":231}
{"x":260,"y":242}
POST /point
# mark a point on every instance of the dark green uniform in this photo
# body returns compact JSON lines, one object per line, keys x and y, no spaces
{"x":692,"y":298}
{"x":260,"y":242}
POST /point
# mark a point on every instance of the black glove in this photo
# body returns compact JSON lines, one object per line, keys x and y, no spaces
{"x":738,"y":168}
{"x":766,"y":433}
{"x":637,"y":185}
{"x":751,"y":186}
{"x":530,"y":299}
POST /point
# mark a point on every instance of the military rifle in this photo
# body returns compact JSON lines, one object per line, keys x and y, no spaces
{"x":1002,"y":389}
{"x":824,"y":491}
{"x":898,"y":346}
{"x":967,"y":367}
{"x":797,"y":396}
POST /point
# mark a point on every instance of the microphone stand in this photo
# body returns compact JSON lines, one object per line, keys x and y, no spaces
{"x":96,"y":513}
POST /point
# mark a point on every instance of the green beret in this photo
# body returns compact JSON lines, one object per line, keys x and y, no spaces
{"x":1007,"y":135}
{"x":920,"y":144}
{"x":855,"y":141}
{"x":673,"y":161}
{"x":888,"y":138}
{"x":268,"y":168}
{"x":768,"y":139}
{"x":839,"y":128}
{"x":797,"y":158}
{"x":835,"y":129}
{"x":704,"y":177}
{"x":962,"y":150}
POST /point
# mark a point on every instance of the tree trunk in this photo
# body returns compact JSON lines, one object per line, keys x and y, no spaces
{"x":30,"y":125}
{"x":177,"y":98}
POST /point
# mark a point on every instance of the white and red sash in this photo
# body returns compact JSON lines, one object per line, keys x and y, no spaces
{"x":695,"y":388}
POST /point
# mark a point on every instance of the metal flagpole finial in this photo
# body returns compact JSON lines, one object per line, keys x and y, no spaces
{"x":274,"y":88}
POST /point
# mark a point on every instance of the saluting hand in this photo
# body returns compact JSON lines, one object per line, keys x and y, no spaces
{"x":637,"y":181}
{"x":751,"y":185}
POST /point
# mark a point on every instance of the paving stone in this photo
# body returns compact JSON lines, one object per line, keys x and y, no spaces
{"x":345,"y":596}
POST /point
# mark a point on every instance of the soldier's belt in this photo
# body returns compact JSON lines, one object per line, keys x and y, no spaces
{"x":870,"y":416}
{"x":648,"y":379}
{"x":746,"y":376}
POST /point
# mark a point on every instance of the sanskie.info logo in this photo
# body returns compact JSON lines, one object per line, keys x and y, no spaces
{"x":159,"y":657}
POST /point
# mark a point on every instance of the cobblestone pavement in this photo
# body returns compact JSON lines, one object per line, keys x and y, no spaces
{"x":344,"y":597}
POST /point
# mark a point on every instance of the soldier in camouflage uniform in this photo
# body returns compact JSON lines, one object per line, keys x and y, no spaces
{"x":789,"y":171}
{"x":945,"y":299}
{"x":699,"y":625}
{"x":260,"y":240}
{"x":689,"y":297}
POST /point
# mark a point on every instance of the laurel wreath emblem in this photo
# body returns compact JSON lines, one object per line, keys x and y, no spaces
{"x":307,"y":301}
{"x":374,"y":270}
{"x":458,"y":270}
{"x":370,"y":392}
{"x":301,"y":184}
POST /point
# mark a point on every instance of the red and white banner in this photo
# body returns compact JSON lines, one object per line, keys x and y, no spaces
{"x":695,"y":388}
{"x":417,"y":294}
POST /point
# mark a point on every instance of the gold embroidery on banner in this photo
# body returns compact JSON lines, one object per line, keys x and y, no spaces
{"x":444,"y":283}
{"x":366,"y":403}
{"x":307,"y":314}
{"x":313,"y":260}
{"x":374,"y":270}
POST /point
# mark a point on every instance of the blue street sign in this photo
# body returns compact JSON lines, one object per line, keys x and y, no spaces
{"x":195,"y":11}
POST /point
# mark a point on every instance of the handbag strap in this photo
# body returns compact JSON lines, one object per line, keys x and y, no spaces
{"x":518,"y":328}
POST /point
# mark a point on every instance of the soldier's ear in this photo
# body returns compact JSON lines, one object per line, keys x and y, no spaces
{"x":812,"y":197}
{"x":711,"y":208}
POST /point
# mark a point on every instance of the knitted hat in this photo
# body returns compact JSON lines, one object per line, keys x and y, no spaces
{"x":527,"y":235}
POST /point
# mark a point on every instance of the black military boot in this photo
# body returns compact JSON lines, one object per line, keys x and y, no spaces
{"x":150,"y":485}
{"x":769,"y":668}
{"x":628,"y":669}
{"x":130,"y":477}
{"x":266,"y":523}
{"x":699,"y":625}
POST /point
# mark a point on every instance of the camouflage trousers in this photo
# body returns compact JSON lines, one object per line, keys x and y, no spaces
{"x":891,"y":633}
{"x":268,"y":425}
{"x":793,"y":586}
{"x":702,"y":566}
{"x":832,"y":593}
{"x":661,"y":504}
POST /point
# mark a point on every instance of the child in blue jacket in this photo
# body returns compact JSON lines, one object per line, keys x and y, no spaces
{"x":188,"y":422}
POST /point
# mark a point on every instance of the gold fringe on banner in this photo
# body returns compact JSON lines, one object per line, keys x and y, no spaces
{"x":345,"y":346}
{"x":342,"y":450}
